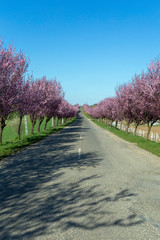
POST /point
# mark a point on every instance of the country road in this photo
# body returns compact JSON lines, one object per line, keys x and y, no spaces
{"x":81,"y":183}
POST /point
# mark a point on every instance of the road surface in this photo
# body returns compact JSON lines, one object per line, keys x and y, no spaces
{"x":81,"y":183}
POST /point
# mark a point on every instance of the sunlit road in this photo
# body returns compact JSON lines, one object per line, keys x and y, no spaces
{"x":82,"y":183}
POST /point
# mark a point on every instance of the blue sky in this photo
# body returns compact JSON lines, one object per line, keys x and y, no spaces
{"x":90,"y":46}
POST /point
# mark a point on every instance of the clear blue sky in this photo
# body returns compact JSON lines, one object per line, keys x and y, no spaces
{"x":90,"y":46}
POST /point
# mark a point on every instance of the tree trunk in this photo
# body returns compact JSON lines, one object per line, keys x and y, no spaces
{"x":47,"y":120}
{"x":2,"y":125}
{"x":33,"y":124}
{"x":128,"y":123}
{"x":33,"y":119}
{"x":39,"y":123}
{"x":135,"y":130}
{"x":149,"y":128}
{"x":19,"y":126}
{"x":116,"y":124}
{"x":56,"y":121}
{"x":45,"y":126}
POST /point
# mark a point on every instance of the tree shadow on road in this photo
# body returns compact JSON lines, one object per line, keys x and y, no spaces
{"x":79,"y":205}
{"x":35,"y":193}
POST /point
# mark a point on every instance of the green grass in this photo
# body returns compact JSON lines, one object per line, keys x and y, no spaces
{"x":10,"y":131}
{"x":11,"y":144}
{"x":141,"y":142}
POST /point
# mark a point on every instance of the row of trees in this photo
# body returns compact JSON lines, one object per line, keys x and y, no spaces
{"x":40,"y":98}
{"x":137,"y":101}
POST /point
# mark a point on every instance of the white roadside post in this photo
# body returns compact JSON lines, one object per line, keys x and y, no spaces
{"x":157,"y":137}
{"x":151,"y":137}
{"x":26,"y":126}
{"x":52,"y":121}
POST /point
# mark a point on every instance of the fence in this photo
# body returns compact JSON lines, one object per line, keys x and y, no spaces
{"x":154,"y":136}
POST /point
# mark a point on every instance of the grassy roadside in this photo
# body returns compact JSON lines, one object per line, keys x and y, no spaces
{"x":141,"y":142}
{"x":11,"y":146}
{"x":10,"y":131}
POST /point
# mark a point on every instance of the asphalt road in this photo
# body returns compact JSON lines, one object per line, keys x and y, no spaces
{"x":81,"y":183}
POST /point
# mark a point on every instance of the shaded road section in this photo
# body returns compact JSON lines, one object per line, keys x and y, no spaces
{"x":81,"y":183}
